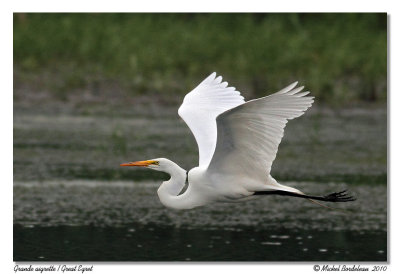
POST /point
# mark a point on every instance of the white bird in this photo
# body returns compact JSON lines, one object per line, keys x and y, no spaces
{"x":237,"y":143}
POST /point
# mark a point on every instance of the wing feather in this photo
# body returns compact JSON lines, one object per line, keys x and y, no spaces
{"x":200,"y":109}
{"x":249,"y":134}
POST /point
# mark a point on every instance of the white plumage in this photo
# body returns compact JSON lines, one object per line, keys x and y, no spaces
{"x":201,"y":107}
{"x":238,"y":142}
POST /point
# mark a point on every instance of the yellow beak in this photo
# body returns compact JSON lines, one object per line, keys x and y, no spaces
{"x":139,"y":163}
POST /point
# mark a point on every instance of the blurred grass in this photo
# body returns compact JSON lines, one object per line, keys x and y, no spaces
{"x":339,"y":57}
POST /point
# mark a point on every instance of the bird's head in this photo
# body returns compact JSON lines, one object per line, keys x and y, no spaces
{"x":160,"y":164}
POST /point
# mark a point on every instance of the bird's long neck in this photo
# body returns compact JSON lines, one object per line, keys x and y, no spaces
{"x":169,"y":190}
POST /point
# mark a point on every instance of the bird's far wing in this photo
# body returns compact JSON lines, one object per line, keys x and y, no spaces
{"x":249,"y":135}
{"x":201,"y":107}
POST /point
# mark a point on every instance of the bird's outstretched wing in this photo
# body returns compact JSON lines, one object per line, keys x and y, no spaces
{"x":200,"y":109}
{"x":249,"y":134}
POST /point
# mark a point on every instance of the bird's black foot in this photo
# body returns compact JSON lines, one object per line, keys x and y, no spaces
{"x":341,"y":196}
{"x":335,"y":197}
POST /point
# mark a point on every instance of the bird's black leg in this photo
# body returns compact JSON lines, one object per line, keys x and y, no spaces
{"x":335,"y":197}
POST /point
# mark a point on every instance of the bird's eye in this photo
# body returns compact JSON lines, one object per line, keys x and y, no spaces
{"x":156,"y":162}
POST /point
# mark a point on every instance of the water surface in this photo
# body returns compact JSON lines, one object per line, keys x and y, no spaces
{"x":124,"y":221}
{"x":72,"y":200}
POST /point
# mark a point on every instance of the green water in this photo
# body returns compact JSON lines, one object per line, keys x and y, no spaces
{"x":124,"y":221}
{"x":165,"y":243}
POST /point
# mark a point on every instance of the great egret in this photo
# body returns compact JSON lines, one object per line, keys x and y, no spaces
{"x":237,"y":142}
